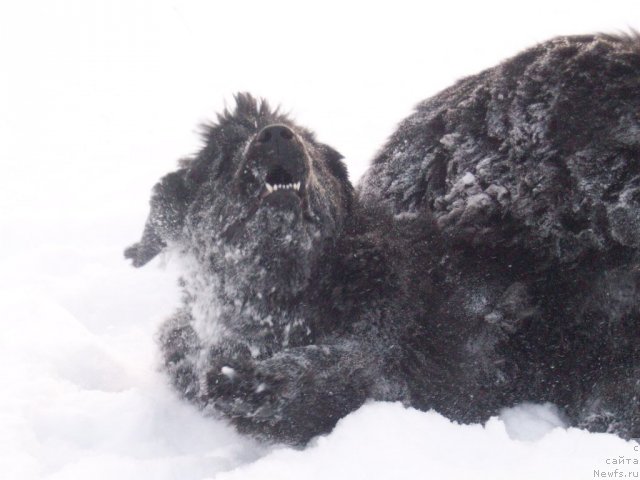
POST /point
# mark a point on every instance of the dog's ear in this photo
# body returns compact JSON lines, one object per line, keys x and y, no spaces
{"x":169,"y":202}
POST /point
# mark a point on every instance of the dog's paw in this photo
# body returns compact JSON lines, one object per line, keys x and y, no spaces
{"x":259,"y":390}
{"x":142,"y":252}
{"x":135,"y":253}
{"x":238,"y":391}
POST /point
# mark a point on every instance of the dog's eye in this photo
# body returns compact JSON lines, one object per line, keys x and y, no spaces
{"x":247,"y":181}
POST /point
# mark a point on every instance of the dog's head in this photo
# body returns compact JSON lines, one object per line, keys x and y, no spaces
{"x":258,"y":204}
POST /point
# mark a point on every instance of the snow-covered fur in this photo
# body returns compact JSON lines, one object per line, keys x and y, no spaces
{"x":531,"y":171}
{"x":489,"y":257}
{"x":263,"y":333}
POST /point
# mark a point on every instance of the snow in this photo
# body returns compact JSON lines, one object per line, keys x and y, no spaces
{"x":389,"y":441}
{"x":101,"y":98}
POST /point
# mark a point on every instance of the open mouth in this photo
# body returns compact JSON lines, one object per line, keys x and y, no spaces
{"x":282,"y":159}
{"x":278,"y":178}
{"x":283,"y":186}
{"x":285,"y":182}
{"x":284,"y":189}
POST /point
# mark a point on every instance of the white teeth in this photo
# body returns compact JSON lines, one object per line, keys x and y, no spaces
{"x":280,"y":186}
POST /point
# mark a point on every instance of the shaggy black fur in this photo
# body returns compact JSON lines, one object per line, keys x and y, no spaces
{"x":531,"y":170}
{"x":489,"y":258}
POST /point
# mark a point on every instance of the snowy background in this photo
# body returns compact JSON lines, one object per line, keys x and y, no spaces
{"x":97,"y":100}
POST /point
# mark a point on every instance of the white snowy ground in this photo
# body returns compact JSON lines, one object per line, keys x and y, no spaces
{"x":97,"y":100}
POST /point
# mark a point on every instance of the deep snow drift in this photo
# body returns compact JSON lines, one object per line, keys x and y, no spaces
{"x":81,"y":396}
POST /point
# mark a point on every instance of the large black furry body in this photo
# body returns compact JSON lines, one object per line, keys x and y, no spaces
{"x":489,"y":256}
{"x":532,"y":169}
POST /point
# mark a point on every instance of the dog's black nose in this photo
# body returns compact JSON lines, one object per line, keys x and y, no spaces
{"x":281,"y":157}
{"x":275,"y":135}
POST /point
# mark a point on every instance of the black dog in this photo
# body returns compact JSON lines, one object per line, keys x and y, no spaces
{"x":532,"y":169}
{"x":489,"y":258}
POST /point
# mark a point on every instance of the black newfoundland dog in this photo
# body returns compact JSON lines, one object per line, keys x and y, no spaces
{"x":490,"y":255}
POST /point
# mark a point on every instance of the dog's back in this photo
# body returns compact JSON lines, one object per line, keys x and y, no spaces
{"x":531,"y":170}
